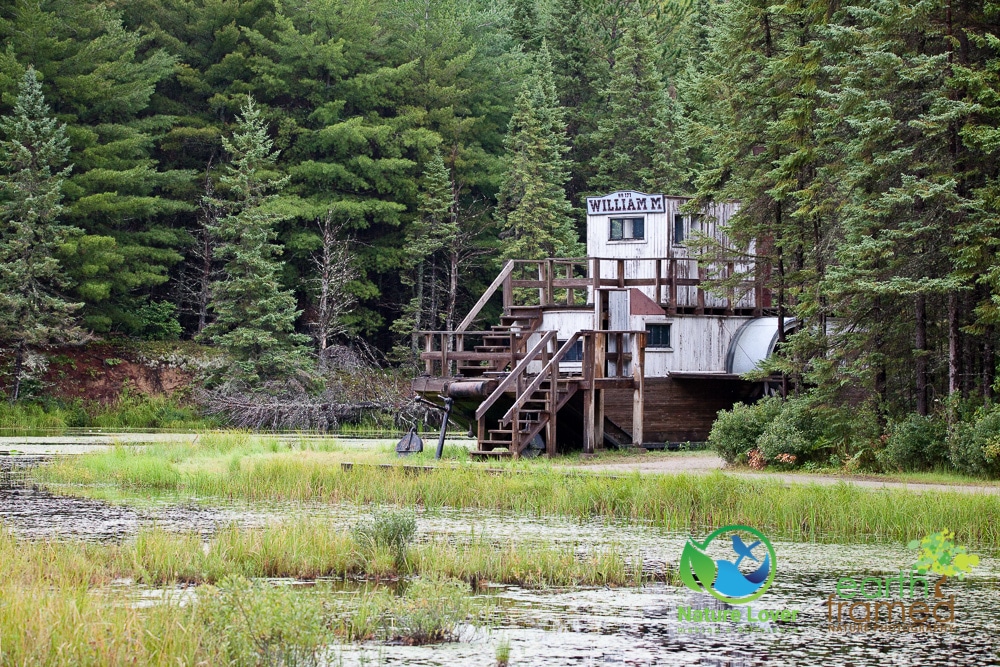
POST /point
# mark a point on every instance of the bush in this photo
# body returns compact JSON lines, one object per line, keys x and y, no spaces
{"x":915,"y":443}
{"x":974,"y":446}
{"x":391,"y":530}
{"x":735,"y":432}
{"x":783,"y":438}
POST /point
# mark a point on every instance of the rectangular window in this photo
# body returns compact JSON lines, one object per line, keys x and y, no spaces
{"x":657,"y":336}
{"x":617,"y":224}
{"x":678,"y":229}
{"x":575,"y":353}
{"x":628,"y":229}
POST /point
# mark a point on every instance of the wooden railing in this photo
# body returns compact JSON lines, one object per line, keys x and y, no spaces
{"x":444,"y":350}
{"x":567,"y":282}
{"x":515,"y":378}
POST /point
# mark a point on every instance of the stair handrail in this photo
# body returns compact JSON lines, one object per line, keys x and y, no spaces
{"x":504,"y":274}
{"x":537,"y":382}
{"x":517,"y":371}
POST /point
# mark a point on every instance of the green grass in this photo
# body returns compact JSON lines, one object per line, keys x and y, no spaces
{"x":242,"y":466}
{"x":131,"y":411}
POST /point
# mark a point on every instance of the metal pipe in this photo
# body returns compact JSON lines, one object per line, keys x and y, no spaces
{"x":448,"y":402}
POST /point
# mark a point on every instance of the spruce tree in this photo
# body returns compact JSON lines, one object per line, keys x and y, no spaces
{"x":639,"y":135}
{"x":33,"y":307}
{"x":254,"y":314}
{"x":534,"y":213}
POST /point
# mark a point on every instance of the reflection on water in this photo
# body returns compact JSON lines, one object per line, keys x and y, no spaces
{"x":632,"y":626}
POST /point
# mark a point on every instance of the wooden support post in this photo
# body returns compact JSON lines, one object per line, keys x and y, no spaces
{"x":428,"y":348}
{"x":570,"y":291}
{"x":700,"y":307}
{"x":445,"y":366}
{"x":595,"y":278}
{"x":549,"y":278}
{"x":601,"y":353}
{"x":508,"y":293}
{"x":481,"y":432}
{"x":621,"y":273}
{"x":730,"y":295}
{"x":589,"y":358}
{"x":659,"y":283}
{"x":552,"y":404}
{"x":638,"y":398}
{"x":459,"y":347}
{"x":673,"y":286}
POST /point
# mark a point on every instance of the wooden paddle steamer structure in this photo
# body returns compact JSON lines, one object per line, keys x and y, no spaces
{"x":625,"y":346}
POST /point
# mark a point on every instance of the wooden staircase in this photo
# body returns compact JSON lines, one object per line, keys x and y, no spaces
{"x":502,"y":345}
{"x":538,"y":398}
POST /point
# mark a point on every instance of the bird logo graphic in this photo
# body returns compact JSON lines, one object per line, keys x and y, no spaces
{"x":724,"y":579}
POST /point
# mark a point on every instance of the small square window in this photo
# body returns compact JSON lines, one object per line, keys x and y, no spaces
{"x":657,"y":336}
{"x":628,"y":229}
{"x":575,"y":353}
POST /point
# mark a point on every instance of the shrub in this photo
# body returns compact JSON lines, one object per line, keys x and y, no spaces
{"x":915,"y":443}
{"x":783,"y":438}
{"x":735,"y":432}
{"x":388,"y":529}
{"x":974,"y":446}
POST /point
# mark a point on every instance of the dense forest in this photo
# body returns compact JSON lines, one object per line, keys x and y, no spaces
{"x":275,"y":176}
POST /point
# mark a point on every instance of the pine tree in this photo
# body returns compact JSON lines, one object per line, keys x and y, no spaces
{"x":534,"y":213}
{"x":33,"y":306}
{"x":254,"y":315}
{"x":428,"y":236}
{"x":639,"y":135}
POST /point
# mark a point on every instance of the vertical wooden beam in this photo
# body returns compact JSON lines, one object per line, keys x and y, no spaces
{"x":673,"y":286}
{"x":552,"y":403}
{"x":570,"y":291}
{"x":445,"y":366}
{"x":549,"y":278}
{"x":589,"y":342}
{"x":638,"y":397}
{"x":481,"y":432}
{"x":428,"y":348}
{"x":508,"y":293}
{"x":600,"y":364}
{"x":659,"y":283}
{"x":700,"y":307}
{"x":621,"y":273}
{"x":730,"y":295}
{"x":595,"y":278}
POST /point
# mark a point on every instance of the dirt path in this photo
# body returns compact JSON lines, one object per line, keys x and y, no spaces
{"x":705,"y":463}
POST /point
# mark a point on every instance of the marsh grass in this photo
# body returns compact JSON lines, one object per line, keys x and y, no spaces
{"x":130,"y":411}
{"x":256,"y":468}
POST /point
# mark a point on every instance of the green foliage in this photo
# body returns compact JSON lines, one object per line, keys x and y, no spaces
{"x":534,"y":213}
{"x":974,"y":444}
{"x":939,"y":554}
{"x":33,"y":307}
{"x":915,"y":443}
{"x":735,"y":432}
{"x":254,"y":315}
{"x":386,"y":529}
{"x":640,"y":128}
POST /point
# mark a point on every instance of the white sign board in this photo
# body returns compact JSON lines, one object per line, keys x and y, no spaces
{"x":626,"y":201}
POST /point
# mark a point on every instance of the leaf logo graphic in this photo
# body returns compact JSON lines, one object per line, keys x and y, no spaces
{"x":723,"y":579}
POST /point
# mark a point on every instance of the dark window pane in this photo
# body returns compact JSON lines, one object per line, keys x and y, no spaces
{"x":616,"y":229}
{"x":657,"y":335}
{"x":575,"y":353}
{"x":678,"y":229}
{"x":638,"y":228}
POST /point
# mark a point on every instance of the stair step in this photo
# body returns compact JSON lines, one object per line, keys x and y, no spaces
{"x":503,"y":453}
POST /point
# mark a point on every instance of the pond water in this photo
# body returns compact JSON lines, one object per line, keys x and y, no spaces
{"x":593,"y":626}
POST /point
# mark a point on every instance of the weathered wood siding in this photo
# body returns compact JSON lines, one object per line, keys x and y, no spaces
{"x":678,"y":410}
